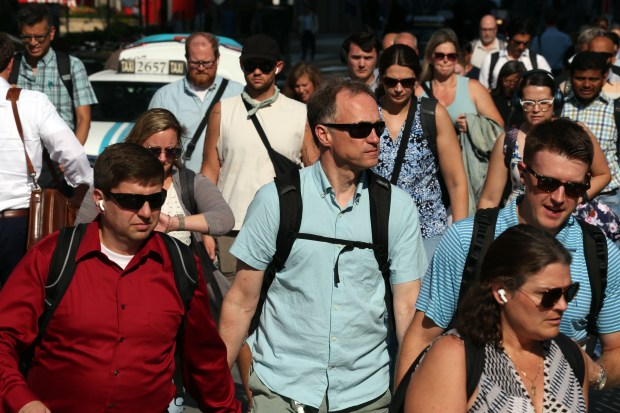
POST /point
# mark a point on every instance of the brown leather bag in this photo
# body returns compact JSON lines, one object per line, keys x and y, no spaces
{"x":49,"y":209}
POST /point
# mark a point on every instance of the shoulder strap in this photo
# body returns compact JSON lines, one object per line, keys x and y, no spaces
{"x":186,"y":280}
{"x":428,"y":89}
{"x":533,"y":60}
{"x":429,"y":124}
{"x":595,"y":251}
{"x":61,"y":272}
{"x":615,"y":70}
{"x":494,"y":59}
{"x":64,"y":70}
{"x":380,"y":193}
{"x":187,"y":176}
{"x":17,"y":60}
{"x":572,"y":353}
{"x":291,"y":210}
{"x":617,"y":123}
{"x":483,"y":235}
{"x":474,"y":365}
{"x":404,"y":140}
{"x":191,"y":146}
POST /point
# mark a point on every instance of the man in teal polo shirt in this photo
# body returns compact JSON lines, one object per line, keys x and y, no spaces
{"x":321,"y":339}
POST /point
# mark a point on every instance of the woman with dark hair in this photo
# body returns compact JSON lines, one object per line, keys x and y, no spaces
{"x":160,"y":132}
{"x":507,"y":80}
{"x":302,"y":81}
{"x":513,"y":315}
{"x":458,"y":94}
{"x":421,"y":169}
{"x":538,"y":95}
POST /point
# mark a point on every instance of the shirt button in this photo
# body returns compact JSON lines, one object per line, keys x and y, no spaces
{"x":122,"y":339}
{"x":333,"y":338}
{"x":122,"y":306}
{"x":111,"y":405}
{"x":116,"y":372}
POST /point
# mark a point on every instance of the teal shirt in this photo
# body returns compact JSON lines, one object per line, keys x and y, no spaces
{"x":316,"y":337}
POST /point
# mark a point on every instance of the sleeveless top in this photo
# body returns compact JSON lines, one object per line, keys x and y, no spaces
{"x":172,"y":206}
{"x":501,"y":389}
{"x":462,"y":103}
{"x":418,"y":175}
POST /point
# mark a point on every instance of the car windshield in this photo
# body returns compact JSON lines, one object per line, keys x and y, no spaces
{"x":121,"y":101}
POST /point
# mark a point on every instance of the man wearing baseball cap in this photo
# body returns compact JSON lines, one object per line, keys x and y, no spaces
{"x":234,"y":156}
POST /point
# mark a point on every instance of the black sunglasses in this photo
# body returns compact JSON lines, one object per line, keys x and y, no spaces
{"x":171,"y":152}
{"x":518,"y":43}
{"x":407,"y":83}
{"x":249,"y":66}
{"x":136,"y":201}
{"x":440,"y":56}
{"x":547,"y":184}
{"x":359,"y":130}
{"x":550,"y":297}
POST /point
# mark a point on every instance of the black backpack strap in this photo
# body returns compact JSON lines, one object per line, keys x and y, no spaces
{"x":291,"y":209}
{"x":186,"y":280}
{"x":191,"y":146}
{"x":61,"y":272}
{"x":429,"y":124}
{"x":187,"y":177}
{"x":494,"y":59}
{"x":572,"y":353}
{"x":64,"y":71}
{"x":617,"y":123}
{"x":483,"y":235}
{"x":428,"y":89}
{"x":14,"y":75}
{"x":595,"y":252}
{"x":404,"y":140}
{"x":533,"y":60}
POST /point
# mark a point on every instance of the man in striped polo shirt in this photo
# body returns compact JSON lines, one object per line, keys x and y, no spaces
{"x":556,"y":161}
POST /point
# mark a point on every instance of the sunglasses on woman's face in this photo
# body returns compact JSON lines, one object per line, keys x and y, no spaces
{"x":406,"y":83}
{"x":135,"y":201}
{"x":172,"y":152}
{"x":550,"y":297}
{"x":441,"y":56}
{"x":548,"y":185}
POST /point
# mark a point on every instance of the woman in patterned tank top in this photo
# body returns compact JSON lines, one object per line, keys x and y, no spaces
{"x":513,"y":314}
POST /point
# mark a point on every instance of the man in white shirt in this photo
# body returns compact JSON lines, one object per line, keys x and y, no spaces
{"x":487,"y":43}
{"x":42,"y":126}
{"x":519,"y":36}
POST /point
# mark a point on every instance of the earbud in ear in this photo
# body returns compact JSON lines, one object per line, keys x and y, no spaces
{"x":277,"y":70}
{"x":101,"y":205}
{"x":502,"y":295}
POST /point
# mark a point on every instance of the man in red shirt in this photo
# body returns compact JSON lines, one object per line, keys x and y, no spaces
{"x":110,"y":343}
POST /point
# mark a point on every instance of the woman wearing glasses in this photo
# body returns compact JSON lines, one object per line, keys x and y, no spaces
{"x":422,"y":165}
{"x":160,"y":131}
{"x":513,"y":316}
{"x":458,"y":94}
{"x":537,"y":94}
{"x":503,"y":94}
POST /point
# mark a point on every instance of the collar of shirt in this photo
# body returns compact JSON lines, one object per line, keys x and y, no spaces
{"x":504,"y":53}
{"x":4,"y":83}
{"x":91,"y":244}
{"x":325,"y":187}
{"x":602,"y":97}
{"x":189,"y":88}
{"x":496,"y":45}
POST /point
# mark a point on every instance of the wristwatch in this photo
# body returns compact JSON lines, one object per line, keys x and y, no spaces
{"x":602,"y":380}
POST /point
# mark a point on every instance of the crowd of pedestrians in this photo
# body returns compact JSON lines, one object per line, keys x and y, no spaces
{"x":354,"y":220}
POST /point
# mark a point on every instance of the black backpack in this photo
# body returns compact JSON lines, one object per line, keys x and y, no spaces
{"x":64,"y":70}
{"x":62,"y":269}
{"x":291,"y":210}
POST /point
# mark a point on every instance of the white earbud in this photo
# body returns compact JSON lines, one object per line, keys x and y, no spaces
{"x":277,"y":70}
{"x":502,"y":295}
{"x":101,"y":205}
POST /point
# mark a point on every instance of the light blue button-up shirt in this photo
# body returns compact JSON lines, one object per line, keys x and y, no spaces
{"x":179,"y":98}
{"x":316,"y":336}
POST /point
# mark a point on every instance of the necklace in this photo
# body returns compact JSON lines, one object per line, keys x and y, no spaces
{"x":531,"y":380}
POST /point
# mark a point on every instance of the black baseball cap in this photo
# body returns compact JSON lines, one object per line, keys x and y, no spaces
{"x":261,"y":46}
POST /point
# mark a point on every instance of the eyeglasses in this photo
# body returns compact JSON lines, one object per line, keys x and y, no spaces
{"x":359,"y":130}
{"x":518,"y":43}
{"x":529,"y":105}
{"x":39,"y":38}
{"x":207,"y":64}
{"x":407,"y":83}
{"x":484,"y":29}
{"x":172,"y":153}
{"x":550,"y":297}
{"x":249,"y":66}
{"x":441,"y":56}
{"x":136,"y":201}
{"x":548,"y":185}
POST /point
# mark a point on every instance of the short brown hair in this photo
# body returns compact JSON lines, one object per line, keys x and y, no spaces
{"x":561,"y":136}
{"x":126,"y":162}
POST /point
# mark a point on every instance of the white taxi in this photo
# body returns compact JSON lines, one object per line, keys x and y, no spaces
{"x":144,"y":67}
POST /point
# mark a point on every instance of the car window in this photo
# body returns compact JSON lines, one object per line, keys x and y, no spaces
{"x":121,"y":101}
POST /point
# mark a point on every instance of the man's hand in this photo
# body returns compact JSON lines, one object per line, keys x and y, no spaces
{"x":34,"y":406}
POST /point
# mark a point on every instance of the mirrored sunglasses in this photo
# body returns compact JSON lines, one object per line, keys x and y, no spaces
{"x":136,"y":201}
{"x":359,"y":130}
{"x":548,"y":185}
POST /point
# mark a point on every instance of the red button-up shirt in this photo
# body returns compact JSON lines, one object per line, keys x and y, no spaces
{"x":110,"y":343}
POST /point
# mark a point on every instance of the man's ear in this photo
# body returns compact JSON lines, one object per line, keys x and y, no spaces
{"x":52,"y":32}
{"x":279,"y":66}
{"x":521,"y":166}
{"x":323,"y":135}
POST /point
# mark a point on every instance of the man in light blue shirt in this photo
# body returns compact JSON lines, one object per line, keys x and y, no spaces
{"x":190,"y":97}
{"x":321,"y":338}
{"x":554,"y":171}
